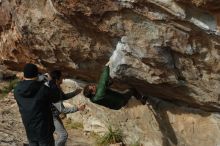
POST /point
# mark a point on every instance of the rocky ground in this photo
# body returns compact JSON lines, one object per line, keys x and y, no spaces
{"x":11,"y":129}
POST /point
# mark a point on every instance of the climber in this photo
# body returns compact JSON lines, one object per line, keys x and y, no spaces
{"x":59,"y":109}
{"x":103,"y":95}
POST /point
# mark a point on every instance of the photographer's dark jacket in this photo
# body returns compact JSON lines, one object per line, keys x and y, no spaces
{"x":34,"y":101}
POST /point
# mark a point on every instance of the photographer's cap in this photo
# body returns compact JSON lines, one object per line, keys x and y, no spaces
{"x":30,"y":70}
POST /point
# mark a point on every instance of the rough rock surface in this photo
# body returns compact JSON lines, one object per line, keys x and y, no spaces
{"x":165,"y":48}
{"x":162,"y":46}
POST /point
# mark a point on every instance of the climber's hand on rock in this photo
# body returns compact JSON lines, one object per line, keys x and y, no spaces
{"x":108,"y":63}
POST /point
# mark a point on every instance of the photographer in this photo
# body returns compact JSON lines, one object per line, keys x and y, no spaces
{"x":34,"y":100}
{"x":59,"y":109}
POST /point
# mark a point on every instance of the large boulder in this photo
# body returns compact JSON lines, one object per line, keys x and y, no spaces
{"x":168,"y":49}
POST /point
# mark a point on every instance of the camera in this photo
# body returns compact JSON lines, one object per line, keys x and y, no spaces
{"x":43,"y":77}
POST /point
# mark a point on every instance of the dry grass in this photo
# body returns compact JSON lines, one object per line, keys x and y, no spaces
{"x":199,"y":2}
{"x":73,"y":125}
{"x":137,"y":143}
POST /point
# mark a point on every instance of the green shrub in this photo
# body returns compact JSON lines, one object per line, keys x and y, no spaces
{"x":112,"y":136}
{"x":11,"y":85}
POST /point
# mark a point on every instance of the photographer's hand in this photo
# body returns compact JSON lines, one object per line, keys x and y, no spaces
{"x":48,"y":77}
